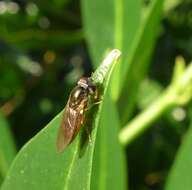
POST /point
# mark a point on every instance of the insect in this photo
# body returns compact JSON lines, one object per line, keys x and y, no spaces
{"x":74,"y":112}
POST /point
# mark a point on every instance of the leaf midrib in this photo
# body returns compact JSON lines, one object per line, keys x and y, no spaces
{"x":67,"y":178}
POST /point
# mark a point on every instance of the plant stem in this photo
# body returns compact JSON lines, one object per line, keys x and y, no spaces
{"x":178,"y":93}
{"x":143,"y":121}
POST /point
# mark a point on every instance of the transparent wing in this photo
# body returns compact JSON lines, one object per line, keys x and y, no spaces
{"x":71,"y":123}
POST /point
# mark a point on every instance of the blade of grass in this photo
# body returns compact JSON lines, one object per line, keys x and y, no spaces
{"x":138,"y":59}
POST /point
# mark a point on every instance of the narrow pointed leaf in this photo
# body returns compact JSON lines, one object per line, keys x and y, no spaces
{"x":138,"y":57}
{"x":110,"y":24}
{"x":39,"y":166}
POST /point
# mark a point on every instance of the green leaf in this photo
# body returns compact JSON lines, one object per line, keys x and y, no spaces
{"x":171,"y":4}
{"x":38,"y":166}
{"x":108,"y":151}
{"x":138,"y":57}
{"x":109,"y":166}
{"x":181,"y":172}
{"x":7,"y":147}
{"x":111,"y":24}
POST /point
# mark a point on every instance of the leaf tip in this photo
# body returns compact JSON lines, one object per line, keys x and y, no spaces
{"x":106,"y":65}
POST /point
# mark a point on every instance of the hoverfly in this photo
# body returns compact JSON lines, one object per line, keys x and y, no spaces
{"x":74,"y":112}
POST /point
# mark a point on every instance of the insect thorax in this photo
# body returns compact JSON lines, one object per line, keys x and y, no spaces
{"x":87,"y":83}
{"x":78,"y":96}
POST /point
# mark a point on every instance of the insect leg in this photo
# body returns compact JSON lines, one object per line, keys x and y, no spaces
{"x":93,"y":104}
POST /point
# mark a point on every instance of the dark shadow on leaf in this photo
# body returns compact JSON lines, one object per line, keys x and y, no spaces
{"x":87,"y":129}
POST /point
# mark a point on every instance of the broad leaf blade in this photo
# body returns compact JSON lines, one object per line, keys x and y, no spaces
{"x":7,"y":147}
{"x":38,"y":166}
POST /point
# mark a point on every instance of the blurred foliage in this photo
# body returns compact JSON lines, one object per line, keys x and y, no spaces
{"x":182,"y":166}
{"x":43,"y":53}
{"x":7,"y":148}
